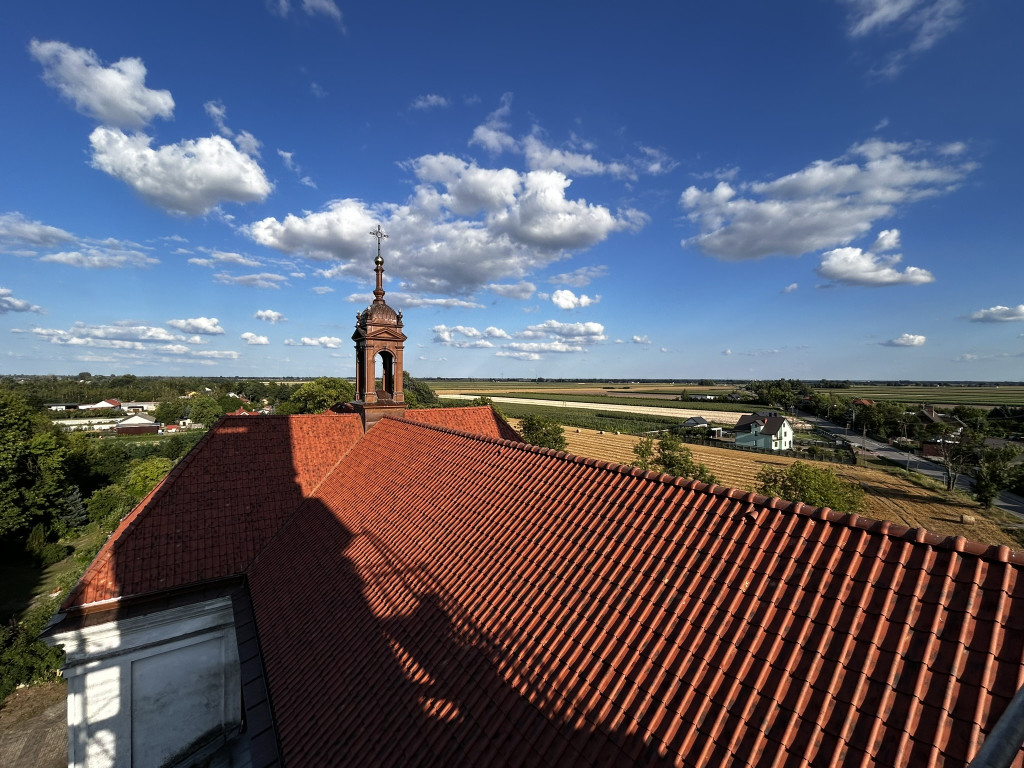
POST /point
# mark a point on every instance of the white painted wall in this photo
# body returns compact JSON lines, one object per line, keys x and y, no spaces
{"x":146,"y":690}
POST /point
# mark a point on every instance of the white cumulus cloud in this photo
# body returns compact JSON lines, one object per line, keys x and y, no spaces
{"x":206,"y":326}
{"x":825,"y":205}
{"x":270,"y":316}
{"x":463,"y":228}
{"x":578,"y":333}
{"x":852,"y":266}
{"x":467,"y":337}
{"x":906,"y":340}
{"x":566,"y":299}
{"x":105,"y":254}
{"x":331,"y":342}
{"x":887,"y":240}
{"x":8,"y":303}
{"x":191,"y":177}
{"x":114,"y":95}
{"x":999,"y":314}
{"x":251,"y":338}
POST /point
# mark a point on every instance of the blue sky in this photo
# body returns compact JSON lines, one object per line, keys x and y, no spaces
{"x":686,"y":190}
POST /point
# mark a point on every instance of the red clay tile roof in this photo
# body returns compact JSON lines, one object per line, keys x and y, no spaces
{"x":242,"y":412}
{"x":475,"y":419}
{"x":439,"y":597}
{"x":218,"y":506}
{"x":450,"y":600}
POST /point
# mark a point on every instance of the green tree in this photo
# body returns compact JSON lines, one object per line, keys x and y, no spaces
{"x":544,"y":432}
{"x":205,"y":411}
{"x":817,"y":486}
{"x":958,"y":451}
{"x":318,"y":395}
{"x":72,"y":514}
{"x":676,"y":459}
{"x":417,"y":393}
{"x":643,"y":453}
{"x":993,"y":473}
{"x":24,"y":658}
{"x":108,"y":505}
{"x":144,"y":474}
{"x":32,"y":476}
{"x":171,"y":411}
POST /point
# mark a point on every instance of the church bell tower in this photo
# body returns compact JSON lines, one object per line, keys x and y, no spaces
{"x":379,"y":347}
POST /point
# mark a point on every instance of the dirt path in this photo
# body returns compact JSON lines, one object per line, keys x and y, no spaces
{"x":34,"y":727}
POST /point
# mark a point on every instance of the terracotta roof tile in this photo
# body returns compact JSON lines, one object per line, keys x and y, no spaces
{"x":474,"y":419}
{"x":458,"y":600}
{"x":219,"y":506}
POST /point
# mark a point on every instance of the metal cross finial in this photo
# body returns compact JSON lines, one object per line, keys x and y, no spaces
{"x":380,"y":235}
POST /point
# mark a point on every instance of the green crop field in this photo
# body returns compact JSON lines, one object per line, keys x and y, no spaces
{"x":978,"y":396}
{"x":689,"y":405}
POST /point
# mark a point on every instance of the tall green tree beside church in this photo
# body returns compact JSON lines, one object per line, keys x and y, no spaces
{"x":32,"y":480}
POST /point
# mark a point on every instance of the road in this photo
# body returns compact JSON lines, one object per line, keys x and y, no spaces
{"x":1007,"y":501}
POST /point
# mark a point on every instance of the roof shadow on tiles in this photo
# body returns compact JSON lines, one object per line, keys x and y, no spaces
{"x":401,"y":676}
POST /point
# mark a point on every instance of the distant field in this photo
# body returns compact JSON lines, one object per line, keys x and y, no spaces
{"x":953,"y":395}
{"x":636,"y":400}
{"x":471,"y":386}
{"x":982,"y":396}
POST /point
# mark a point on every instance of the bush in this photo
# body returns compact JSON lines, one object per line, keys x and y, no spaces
{"x":817,"y":486}
{"x":52,"y":553}
{"x":546,"y":433}
{"x":24,"y":658}
{"x":108,"y":505}
{"x":36,"y":540}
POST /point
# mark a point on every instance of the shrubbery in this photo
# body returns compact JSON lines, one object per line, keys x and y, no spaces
{"x":24,"y":658}
{"x":672,"y":457}
{"x":817,"y":486}
{"x":546,"y":433}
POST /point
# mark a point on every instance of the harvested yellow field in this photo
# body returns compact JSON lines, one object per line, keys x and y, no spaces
{"x":889,"y":497}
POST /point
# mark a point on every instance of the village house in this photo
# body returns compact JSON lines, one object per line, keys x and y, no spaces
{"x":393,"y":587}
{"x":930,"y":417}
{"x":765,"y":430}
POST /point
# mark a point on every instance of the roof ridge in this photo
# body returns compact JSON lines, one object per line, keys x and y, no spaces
{"x":994,"y":552}
{"x":129,"y":521}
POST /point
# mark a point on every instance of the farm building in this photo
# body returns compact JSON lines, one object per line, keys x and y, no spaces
{"x":108,"y":404}
{"x":137,"y":424}
{"x":767,"y":431}
{"x":140,"y":406}
{"x":392,"y":587}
